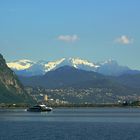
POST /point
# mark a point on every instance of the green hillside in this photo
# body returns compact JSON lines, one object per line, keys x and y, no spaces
{"x":11,"y":90}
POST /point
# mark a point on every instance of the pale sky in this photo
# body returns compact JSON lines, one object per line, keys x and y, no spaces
{"x":95,"y":30}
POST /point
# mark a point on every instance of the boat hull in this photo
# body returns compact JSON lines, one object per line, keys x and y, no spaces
{"x":39,"y":109}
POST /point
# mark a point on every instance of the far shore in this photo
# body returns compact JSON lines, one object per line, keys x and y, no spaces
{"x":24,"y":106}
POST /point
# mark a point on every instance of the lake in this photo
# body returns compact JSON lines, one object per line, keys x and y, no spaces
{"x":71,"y":124}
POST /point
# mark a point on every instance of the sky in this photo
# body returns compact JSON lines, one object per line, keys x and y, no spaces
{"x":95,"y":30}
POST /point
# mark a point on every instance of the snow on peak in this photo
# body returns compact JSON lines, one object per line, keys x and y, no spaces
{"x":20,"y":64}
{"x":78,"y":61}
{"x":51,"y":65}
{"x":74,"y":62}
{"x":108,"y":67}
{"x":45,"y":66}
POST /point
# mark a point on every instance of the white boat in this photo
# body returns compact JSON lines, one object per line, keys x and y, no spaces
{"x":39,"y":108}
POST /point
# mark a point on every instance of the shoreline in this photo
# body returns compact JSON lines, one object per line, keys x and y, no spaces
{"x":69,"y":107}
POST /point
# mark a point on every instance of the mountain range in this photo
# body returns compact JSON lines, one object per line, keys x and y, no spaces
{"x":80,"y":86}
{"x":67,"y":76}
{"x":75,"y":79}
{"x":29,"y":68}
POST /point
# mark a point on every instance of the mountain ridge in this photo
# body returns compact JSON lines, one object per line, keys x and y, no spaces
{"x":68,"y":76}
{"x":29,"y":68}
{"x":80,"y":86}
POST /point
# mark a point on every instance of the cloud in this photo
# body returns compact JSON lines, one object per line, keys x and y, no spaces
{"x":68,"y":38}
{"x":124,"y":40}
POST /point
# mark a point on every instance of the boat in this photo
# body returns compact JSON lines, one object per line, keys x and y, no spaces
{"x":39,"y":108}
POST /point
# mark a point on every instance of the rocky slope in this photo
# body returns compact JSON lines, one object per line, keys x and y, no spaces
{"x":11,"y":90}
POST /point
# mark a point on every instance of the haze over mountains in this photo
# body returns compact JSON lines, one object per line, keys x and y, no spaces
{"x":27,"y":67}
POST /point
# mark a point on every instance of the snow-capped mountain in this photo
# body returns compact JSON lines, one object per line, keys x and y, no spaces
{"x":73,"y":62}
{"x":30,"y":68}
{"x":21,"y":64}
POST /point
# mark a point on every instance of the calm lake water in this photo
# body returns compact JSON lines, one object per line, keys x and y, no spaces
{"x":71,"y":124}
